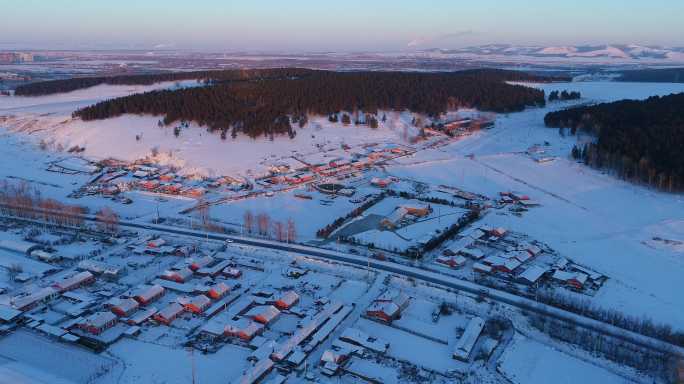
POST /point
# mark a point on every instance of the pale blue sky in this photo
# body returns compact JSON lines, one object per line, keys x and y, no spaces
{"x":349,"y":25}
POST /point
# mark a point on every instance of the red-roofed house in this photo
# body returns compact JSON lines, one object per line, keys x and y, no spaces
{"x":179,"y":276}
{"x":124,"y":307}
{"x":244,"y":329}
{"x":198,"y":304}
{"x":98,"y":322}
{"x":287,"y":300}
{"x":169,"y":314}
{"x":218,"y":291}
{"x":201,"y":263}
{"x":75,"y":281}
{"x":148,"y":294}
{"x":264,"y":314}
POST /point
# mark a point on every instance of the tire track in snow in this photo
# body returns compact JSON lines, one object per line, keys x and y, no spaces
{"x":521,"y":181}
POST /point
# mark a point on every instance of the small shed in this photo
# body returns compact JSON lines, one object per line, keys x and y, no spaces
{"x":148,"y":294}
{"x":98,"y":322}
{"x":177,"y":275}
{"x":452,"y":261}
{"x":473,"y":253}
{"x":574,"y":280}
{"x":124,"y":307}
{"x":287,"y":300}
{"x":202,"y":262}
{"x":197,"y":304}
{"x":264,"y":314}
{"x":243,"y":329}
{"x":169,"y":313}
{"x":8,"y":314}
{"x":218,"y":291}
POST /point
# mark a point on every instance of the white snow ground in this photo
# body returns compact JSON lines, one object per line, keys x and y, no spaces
{"x":526,"y":361}
{"x":47,"y":119}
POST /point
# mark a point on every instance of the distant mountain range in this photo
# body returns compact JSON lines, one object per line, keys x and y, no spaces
{"x":582,"y":53}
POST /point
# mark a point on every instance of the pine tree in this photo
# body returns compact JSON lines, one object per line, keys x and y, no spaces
{"x":373,"y":122}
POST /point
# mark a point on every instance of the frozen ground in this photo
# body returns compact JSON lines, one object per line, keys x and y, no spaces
{"x":151,"y":363}
{"x":47,"y":119}
{"x":529,"y":362}
{"x":49,"y":360}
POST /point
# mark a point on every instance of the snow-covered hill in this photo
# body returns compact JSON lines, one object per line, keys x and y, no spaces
{"x":618,"y":53}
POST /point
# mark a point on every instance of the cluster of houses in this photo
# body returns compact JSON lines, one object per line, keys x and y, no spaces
{"x":356,"y":161}
{"x":117,"y":177}
{"x":157,"y":246}
{"x":42,"y":295}
{"x":576,"y":276}
{"x":246,"y":320}
{"x":249,"y":316}
{"x":360,"y":159}
{"x":293,"y":351}
{"x":467,"y":246}
{"x":517,"y":198}
{"x":514,"y":260}
{"x":99,"y":315}
{"x":138,"y":306}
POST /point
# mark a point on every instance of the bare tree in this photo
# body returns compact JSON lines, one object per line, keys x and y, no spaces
{"x":249,"y":222}
{"x":263,"y":223}
{"x":14,"y":269}
{"x":107,"y":220}
{"x":279,"y":231}
{"x":291,"y":231}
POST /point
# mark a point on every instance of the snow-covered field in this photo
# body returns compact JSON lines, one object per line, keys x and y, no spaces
{"x":529,"y":362}
{"x":47,"y":120}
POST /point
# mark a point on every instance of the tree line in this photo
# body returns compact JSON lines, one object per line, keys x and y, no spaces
{"x":640,"y":141}
{"x":21,"y":199}
{"x":642,"y":325}
{"x":268,"y":107}
{"x":646,"y":361}
{"x":661,"y":75}
{"x":50,"y":87}
{"x":261,"y":224}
